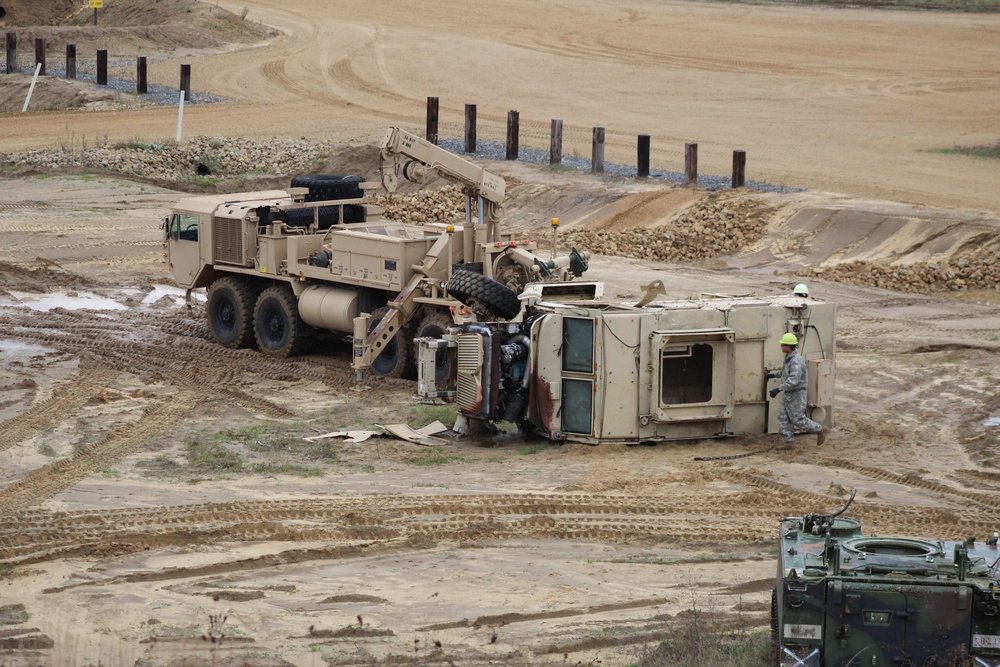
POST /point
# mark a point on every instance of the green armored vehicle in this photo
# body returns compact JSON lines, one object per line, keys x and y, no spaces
{"x":843,"y":599}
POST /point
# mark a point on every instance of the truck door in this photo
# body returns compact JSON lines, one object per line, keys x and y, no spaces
{"x":183,"y":247}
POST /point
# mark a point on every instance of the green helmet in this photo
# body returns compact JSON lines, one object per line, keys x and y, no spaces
{"x":789,"y":339}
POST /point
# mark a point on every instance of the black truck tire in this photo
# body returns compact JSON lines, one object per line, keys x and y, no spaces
{"x":231,"y":302}
{"x":323,"y":187}
{"x":433,"y":325}
{"x":396,"y":360}
{"x":279,"y":329}
{"x":476,"y":290}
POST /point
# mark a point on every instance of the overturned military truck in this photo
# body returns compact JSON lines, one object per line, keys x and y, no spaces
{"x":846,"y":599}
{"x":573,"y":367}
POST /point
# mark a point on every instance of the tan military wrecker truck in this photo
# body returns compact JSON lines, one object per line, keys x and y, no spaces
{"x":280,"y":265}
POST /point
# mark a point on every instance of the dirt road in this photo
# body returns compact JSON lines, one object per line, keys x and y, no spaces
{"x":851,"y":101}
{"x":156,"y":491}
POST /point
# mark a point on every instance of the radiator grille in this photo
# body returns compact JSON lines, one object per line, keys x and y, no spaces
{"x":227,"y":241}
{"x":469,"y":393}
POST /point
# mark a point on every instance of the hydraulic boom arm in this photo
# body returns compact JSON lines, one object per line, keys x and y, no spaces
{"x":408,"y":156}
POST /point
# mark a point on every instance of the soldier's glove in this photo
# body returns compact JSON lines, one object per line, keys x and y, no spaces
{"x":774,"y":392}
{"x":773,"y":375}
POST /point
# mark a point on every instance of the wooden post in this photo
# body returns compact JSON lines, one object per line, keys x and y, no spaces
{"x":470,"y":128}
{"x":102,"y":67}
{"x":690,"y":164}
{"x":513,"y":134}
{"x":739,"y":169}
{"x":40,"y":54}
{"x":11,"y":52}
{"x":432,"y":120}
{"x":71,"y":61}
{"x":597,"y":154}
{"x":186,"y":82}
{"x":555,"y":142}
{"x":140,"y":75}
{"x":642,"y":150}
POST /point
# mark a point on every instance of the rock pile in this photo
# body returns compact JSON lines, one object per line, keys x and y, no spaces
{"x":710,"y":228}
{"x":445,"y":204}
{"x":222,"y":156}
{"x":977,"y":271}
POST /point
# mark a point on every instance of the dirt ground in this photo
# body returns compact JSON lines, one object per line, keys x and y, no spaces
{"x":119,"y":546}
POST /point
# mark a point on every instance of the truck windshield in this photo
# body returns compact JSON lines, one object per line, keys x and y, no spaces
{"x":183,"y":227}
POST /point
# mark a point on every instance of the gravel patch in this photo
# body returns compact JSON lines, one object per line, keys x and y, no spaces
{"x":156,"y":95}
{"x":491,"y":150}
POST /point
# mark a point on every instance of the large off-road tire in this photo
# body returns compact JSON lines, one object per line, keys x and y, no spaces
{"x":483,"y":295}
{"x":231,"y":302}
{"x":279,"y":329}
{"x":397,"y":358}
{"x":433,"y":325}
{"x":324,"y":187}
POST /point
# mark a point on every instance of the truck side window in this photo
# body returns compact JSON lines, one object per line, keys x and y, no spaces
{"x":578,"y":345}
{"x":686,"y":374}
{"x":184,"y":227}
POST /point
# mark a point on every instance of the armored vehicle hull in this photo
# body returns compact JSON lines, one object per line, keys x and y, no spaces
{"x":846,"y":599}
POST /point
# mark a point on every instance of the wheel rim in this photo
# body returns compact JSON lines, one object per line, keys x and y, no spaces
{"x":275,"y":326}
{"x":227,"y":315}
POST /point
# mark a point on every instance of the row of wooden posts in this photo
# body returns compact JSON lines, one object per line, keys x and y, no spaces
{"x":141,"y":86}
{"x":597,"y":153}
{"x":513,"y":118}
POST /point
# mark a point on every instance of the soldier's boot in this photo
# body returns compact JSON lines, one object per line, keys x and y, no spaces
{"x":821,"y":436}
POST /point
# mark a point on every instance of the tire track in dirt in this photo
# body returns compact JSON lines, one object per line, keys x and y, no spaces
{"x":130,"y":344}
{"x":47,"y":481}
{"x":36,"y":536}
{"x":914,"y":481}
{"x":289,"y":557}
{"x":900,"y":519}
{"x":65,"y":401}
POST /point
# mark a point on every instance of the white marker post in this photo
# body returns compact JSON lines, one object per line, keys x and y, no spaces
{"x":31,"y":89}
{"x":180,"y":116}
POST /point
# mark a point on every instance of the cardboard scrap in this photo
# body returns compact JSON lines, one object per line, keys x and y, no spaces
{"x":433,"y":428}
{"x":405,"y":432}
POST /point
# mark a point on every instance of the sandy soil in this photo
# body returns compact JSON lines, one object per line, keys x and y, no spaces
{"x":116,"y":548}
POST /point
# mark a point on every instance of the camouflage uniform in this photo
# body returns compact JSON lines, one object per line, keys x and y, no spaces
{"x":792,"y":414}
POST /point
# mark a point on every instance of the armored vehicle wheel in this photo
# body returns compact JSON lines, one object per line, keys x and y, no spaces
{"x":280,"y":331}
{"x":483,"y":295}
{"x":396,"y":359}
{"x":433,"y":325}
{"x":231,"y":303}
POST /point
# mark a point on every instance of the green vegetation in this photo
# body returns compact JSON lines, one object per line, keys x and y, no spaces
{"x":280,"y":447}
{"x":422,"y":413}
{"x":201,"y":181}
{"x":212,"y":457}
{"x":696,"y":646}
{"x":435,"y":456}
{"x":989,"y":151}
{"x":286,"y":469}
{"x":537,"y":447}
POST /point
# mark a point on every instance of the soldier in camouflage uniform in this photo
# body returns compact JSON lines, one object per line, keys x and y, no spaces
{"x":792,"y":414}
